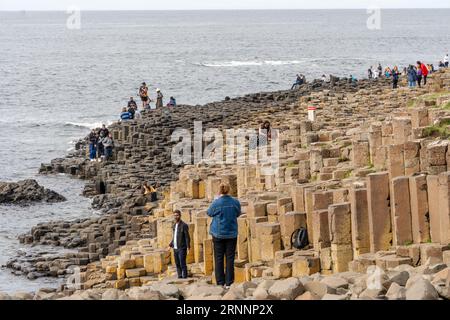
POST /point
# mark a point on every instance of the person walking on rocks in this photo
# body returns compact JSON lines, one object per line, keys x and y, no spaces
{"x":159,"y":99}
{"x":224,"y":229}
{"x":143,"y":93}
{"x":446,"y":60}
{"x":181,"y":243}
{"x":370,"y":73}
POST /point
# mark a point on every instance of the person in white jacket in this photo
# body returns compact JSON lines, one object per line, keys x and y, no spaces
{"x":446,"y":60}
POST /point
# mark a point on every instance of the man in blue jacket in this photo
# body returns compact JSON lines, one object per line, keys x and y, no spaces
{"x":224,"y":229}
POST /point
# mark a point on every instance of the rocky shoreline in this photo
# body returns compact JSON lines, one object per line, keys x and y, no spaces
{"x":27,"y":192}
{"x":328,"y":167}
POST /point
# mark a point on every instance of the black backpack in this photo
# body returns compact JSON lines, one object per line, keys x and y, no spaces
{"x":299,"y":238}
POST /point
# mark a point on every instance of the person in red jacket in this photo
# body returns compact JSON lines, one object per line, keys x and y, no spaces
{"x":424,"y":69}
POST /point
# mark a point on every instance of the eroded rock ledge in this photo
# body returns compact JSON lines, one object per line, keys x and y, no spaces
{"x":27,"y":192}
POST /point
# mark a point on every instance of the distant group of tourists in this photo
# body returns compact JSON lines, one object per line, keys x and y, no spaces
{"x":101,"y":144}
{"x":301,"y":79}
{"x":416,"y":74}
{"x":132,"y":111}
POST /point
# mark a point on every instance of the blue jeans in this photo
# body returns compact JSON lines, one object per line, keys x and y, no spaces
{"x":92,"y":151}
{"x":180,"y":262}
{"x":412,"y":83}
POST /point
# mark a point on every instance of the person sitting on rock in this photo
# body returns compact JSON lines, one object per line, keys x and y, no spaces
{"x":149,"y":192}
{"x":298,"y":82}
{"x":265,"y":134}
{"x":181,"y":244}
{"x":172,"y":102}
{"x":125,"y":115}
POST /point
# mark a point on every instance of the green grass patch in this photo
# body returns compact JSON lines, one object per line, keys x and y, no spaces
{"x":442,"y":130}
{"x":428,"y":97}
{"x":291,"y":164}
{"x":348,"y":174}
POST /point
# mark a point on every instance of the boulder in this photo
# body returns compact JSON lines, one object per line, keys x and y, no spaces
{"x":167,"y":290}
{"x":335,"y":282}
{"x":138,"y":293}
{"x":396,"y":292}
{"x":26,"y":192}
{"x":421,"y":289}
{"x":329,"y":296}
{"x":288,"y":289}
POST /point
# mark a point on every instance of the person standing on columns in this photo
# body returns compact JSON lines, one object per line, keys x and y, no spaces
{"x":159,"y":99}
{"x":181,"y":243}
{"x":224,"y":229}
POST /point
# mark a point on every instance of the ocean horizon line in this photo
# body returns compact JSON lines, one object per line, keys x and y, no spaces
{"x":236,"y":9}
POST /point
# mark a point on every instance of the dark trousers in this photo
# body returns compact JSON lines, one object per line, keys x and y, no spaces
{"x":180,"y":262}
{"x":395,"y":84}
{"x":100,"y":150}
{"x":419,"y":80}
{"x":425,"y":80}
{"x":108,"y":153}
{"x":224,"y":248}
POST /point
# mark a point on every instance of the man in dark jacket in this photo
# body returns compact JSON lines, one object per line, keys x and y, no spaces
{"x":180,"y":243}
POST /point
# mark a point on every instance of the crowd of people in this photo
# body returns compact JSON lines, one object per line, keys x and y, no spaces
{"x":416,"y":74}
{"x":131,"y":111}
{"x":101,"y":144}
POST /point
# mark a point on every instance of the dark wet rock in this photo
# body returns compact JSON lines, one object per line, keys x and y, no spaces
{"x":26,"y":192}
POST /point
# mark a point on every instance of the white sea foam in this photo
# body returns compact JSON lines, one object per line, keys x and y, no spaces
{"x":234,"y":63}
{"x":89,"y":125}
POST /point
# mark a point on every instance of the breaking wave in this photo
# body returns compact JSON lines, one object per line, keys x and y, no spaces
{"x":225,"y":64}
